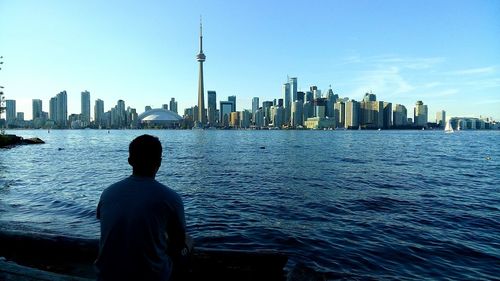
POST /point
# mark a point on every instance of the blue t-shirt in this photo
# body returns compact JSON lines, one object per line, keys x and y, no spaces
{"x":142,"y":221}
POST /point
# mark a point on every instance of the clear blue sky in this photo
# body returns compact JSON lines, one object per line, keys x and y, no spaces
{"x":445,"y":53}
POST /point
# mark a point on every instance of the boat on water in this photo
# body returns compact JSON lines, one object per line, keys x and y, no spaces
{"x":448,"y":128}
{"x":34,"y":257}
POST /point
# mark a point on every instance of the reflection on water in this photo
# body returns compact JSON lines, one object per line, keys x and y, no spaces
{"x":353,"y":204}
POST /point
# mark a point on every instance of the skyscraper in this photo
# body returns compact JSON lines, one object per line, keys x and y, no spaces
{"x":10,"y":116}
{"x":399,"y":115}
{"x":352,"y":114}
{"x":441,"y":118}
{"x":255,"y":105}
{"x":420,"y":114}
{"x":173,"y":105}
{"x":297,"y":115}
{"x":226,"y":108}
{"x":62,"y":109}
{"x":212,"y":107}
{"x":201,"y":98}
{"x":293,"y":89}
{"x":37,"y":109}
{"x":233,"y":100}
{"x":287,"y":101}
{"x":53,"y":109}
{"x":85,"y":107}
{"x":99,"y":113}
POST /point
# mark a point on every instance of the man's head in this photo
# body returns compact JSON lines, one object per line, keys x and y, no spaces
{"x":145,"y":155}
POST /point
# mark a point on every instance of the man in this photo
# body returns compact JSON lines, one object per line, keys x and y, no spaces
{"x":143,"y":228}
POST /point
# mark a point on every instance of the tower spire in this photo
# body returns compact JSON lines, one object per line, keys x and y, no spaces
{"x":201,"y":36}
{"x":202,"y":119}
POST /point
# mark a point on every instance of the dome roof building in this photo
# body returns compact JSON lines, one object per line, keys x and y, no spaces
{"x":159,"y":118}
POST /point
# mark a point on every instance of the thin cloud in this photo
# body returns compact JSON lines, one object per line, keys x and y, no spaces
{"x":472,"y":71}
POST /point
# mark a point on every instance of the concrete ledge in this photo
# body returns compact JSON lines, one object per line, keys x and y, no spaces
{"x":12,"y":271}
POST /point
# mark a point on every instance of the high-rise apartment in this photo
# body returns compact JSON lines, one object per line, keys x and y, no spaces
{"x":225,"y":108}
{"x":99,"y":113}
{"x":352,"y":109}
{"x":62,"y":109}
{"x":173,"y":105}
{"x":212,"y":107}
{"x":297,"y":114}
{"x":441,"y":118}
{"x":255,"y":104}
{"x":233,"y":100}
{"x":37,"y":109}
{"x":420,"y":114}
{"x":10,"y":116}
{"x":85,"y":113}
{"x":399,"y":115}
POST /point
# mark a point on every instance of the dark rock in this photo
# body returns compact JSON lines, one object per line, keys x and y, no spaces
{"x":13,"y":140}
{"x":33,"y":141}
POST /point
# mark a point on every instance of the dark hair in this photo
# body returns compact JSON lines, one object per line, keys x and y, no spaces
{"x":145,"y":151}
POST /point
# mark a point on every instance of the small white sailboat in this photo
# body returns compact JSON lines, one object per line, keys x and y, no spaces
{"x":448,"y":128}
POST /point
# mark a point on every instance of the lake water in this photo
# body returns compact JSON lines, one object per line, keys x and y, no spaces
{"x":352,"y":204}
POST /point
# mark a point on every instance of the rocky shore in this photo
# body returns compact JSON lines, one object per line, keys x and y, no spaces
{"x":7,"y":141}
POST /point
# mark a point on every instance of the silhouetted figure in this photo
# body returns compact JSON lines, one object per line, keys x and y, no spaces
{"x":143,"y":229}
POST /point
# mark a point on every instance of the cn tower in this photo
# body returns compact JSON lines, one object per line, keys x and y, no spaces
{"x":201,"y":96}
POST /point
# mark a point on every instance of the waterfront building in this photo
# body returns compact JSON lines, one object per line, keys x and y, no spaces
{"x":225,"y":108}
{"x":245,"y":118}
{"x":352,"y":109}
{"x":339,"y":115}
{"x":20,"y":117}
{"x":85,"y":107}
{"x":212,"y":108}
{"x":10,"y":114}
{"x":62,"y":109}
{"x":132,"y":117}
{"x":164,"y":106}
{"x":234,"y":119}
{"x":331,"y":99}
{"x":297,"y":114}
{"x":156,"y":118}
{"x":37,"y":109}
{"x":277,"y":115}
{"x":441,"y":118}
{"x":387,"y":115}
{"x":201,"y":99}
{"x":99,"y":113}
{"x":121,"y":115}
{"x":293,"y":89}
{"x":287,"y":100}
{"x":53,"y":109}
{"x":173,"y":105}
{"x":233,"y":100}
{"x":372,"y":112}
{"x":470,"y":123}
{"x":266,"y":107}
{"x":399,"y":116}
{"x":258,"y":120}
{"x":420,"y":114}
{"x":319,"y":123}
{"x":255,"y":104}
{"x":319,"y":107}
{"x":307,"y":110}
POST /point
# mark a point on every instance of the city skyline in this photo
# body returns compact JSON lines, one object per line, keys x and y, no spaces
{"x":450,"y":57}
